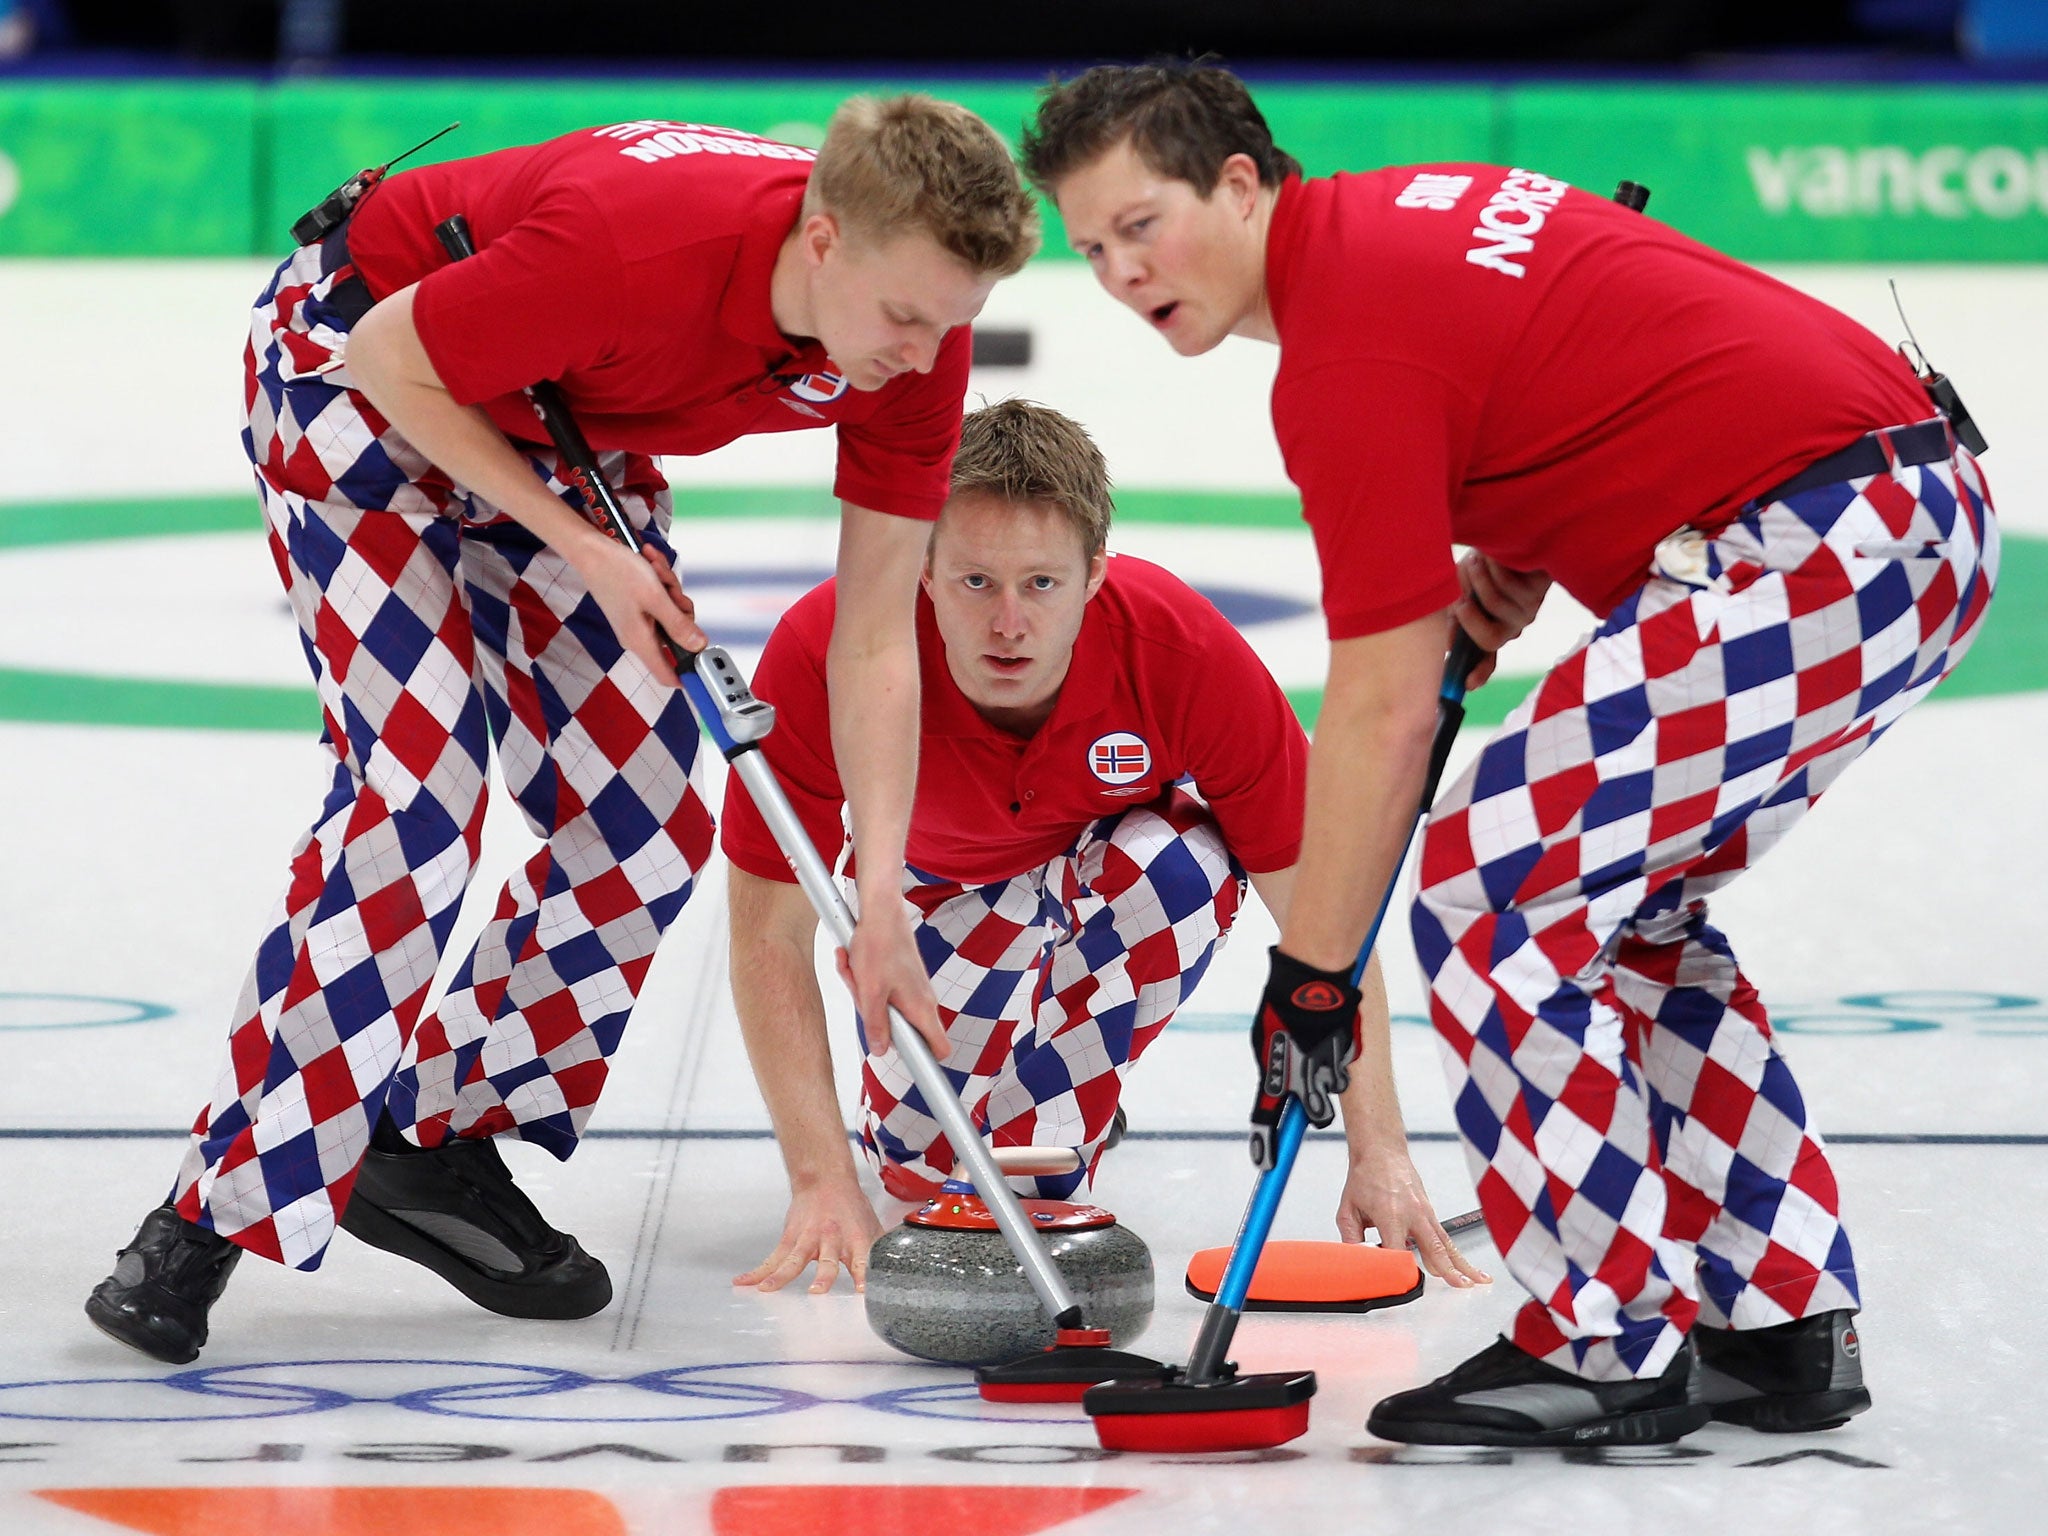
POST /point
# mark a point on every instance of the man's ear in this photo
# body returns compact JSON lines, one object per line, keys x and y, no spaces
{"x":1240,"y":179}
{"x":1098,"y":570}
{"x":821,"y":232}
{"x":931,"y":548}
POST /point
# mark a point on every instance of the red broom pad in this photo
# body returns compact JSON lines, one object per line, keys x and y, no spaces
{"x":1238,"y":1429}
{"x":1035,"y":1392}
{"x":1063,"y":1372}
{"x":1236,"y":1413}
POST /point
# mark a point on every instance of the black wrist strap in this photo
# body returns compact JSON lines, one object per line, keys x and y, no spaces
{"x":1309,"y":999}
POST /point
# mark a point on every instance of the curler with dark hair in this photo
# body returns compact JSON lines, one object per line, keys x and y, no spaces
{"x":1184,"y":117}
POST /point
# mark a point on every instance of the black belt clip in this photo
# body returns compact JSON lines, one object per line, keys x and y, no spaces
{"x":1941,"y":390}
{"x":333,"y":210}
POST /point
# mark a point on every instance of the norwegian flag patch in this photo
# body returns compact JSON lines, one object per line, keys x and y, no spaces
{"x":1119,"y":758}
{"x":819,"y":388}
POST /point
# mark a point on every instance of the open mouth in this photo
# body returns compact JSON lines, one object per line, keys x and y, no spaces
{"x":1163,"y":313}
{"x":1008,"y":664}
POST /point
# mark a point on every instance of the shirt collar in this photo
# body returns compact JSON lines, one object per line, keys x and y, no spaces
{"x":1282,"y":238}
{"x":747,"y":309}
{"x":946,"y":710}
{"x":1090,"y":683}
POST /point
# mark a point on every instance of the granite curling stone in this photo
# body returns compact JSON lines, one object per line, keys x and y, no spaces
{"x":944,"y":1285}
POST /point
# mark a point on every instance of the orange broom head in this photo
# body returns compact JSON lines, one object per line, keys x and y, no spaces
{"x":1315,"y":1277}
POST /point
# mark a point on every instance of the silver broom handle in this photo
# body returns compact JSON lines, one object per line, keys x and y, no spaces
{"x":736,"y":725}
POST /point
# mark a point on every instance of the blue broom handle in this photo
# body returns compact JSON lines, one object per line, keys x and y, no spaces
{"x":1205,"y":1363}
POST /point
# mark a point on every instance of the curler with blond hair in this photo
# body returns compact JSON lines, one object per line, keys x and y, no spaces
{"x":916,"y":165}
{"x":1021,"y":451}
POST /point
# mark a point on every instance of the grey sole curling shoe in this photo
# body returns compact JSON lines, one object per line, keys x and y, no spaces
{"x":455,"y":1210}
{"x":1502,"y":1396}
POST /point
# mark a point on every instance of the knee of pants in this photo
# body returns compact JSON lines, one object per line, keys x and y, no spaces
{"x":1655,"y":930}
{"x":650,"y":801}
{"x":429,"y":819}
{"x":1178,"y":848}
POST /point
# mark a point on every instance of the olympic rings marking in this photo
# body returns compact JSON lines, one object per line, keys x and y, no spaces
{"x":911,"y":1402}
{"x":506,"y":1381}
{"x":765,"y":1399}
{"x":1940,"y":1002}
{"x":315,"y":1400}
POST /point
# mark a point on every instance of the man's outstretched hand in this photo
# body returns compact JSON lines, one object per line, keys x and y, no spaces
{"x":832,"y":1226}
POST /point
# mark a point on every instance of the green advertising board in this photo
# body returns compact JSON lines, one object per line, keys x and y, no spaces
{"x":1360,"y":128}
{"x":128,"y":170}
{"x":322,"y":132}
{"x":1892,"y":174}
{"x":1776,"y":174}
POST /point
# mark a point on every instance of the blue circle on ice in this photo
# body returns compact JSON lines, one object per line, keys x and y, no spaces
{"x":69,"y":1010}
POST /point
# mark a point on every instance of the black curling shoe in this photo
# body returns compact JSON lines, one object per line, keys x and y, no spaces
{"x":1502,"y":1396}
{"x":456,"y":1210}
{"x":163,"y":1284}
{"x":1786,"y":1379}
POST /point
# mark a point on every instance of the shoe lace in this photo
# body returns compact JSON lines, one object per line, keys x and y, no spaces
{"x":201,"y":1256}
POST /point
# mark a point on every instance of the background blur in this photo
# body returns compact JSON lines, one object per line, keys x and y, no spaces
{"x":1837,"y":130}
{"x":1327,"y":31}
{"x":158,"y":755}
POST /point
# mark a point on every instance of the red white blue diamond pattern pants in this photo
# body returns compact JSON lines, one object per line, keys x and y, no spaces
{"x":1051,"y":985}
{"x":434,"y":626}
{"x":1641,"y":1150}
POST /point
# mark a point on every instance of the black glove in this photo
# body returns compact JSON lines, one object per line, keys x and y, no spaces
{"x":1304,"y":1038}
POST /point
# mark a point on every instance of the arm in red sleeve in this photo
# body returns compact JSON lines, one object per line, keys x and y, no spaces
{"x":536,"y":302}
{"x":1245,"y":747}
{"x":1372,"y":448}
{"x":791,"y":676}
{"x":897,"y":460}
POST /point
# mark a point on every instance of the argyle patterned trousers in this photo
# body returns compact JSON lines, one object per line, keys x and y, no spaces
{"x":1641,"y":1150}
{"x":1051,"y":985}
{"x":435,"y":626}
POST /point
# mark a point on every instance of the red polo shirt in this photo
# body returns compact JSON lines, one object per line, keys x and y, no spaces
{"x":1482,"y":355}
{"x":631,"y":265}
{"x":1161,"y":687}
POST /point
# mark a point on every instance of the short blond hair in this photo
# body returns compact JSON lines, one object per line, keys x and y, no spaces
{"x":1022,"y":452}
{"x":914,"y":164}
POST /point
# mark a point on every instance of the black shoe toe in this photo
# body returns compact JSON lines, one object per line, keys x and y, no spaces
{"x":172,"y":1339}
{"x":164,"y":1283}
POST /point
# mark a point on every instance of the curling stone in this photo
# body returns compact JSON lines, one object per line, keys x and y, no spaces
{"x":944,"y":1285}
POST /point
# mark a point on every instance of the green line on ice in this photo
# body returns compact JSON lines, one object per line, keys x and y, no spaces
{"x":2011,"y":656}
